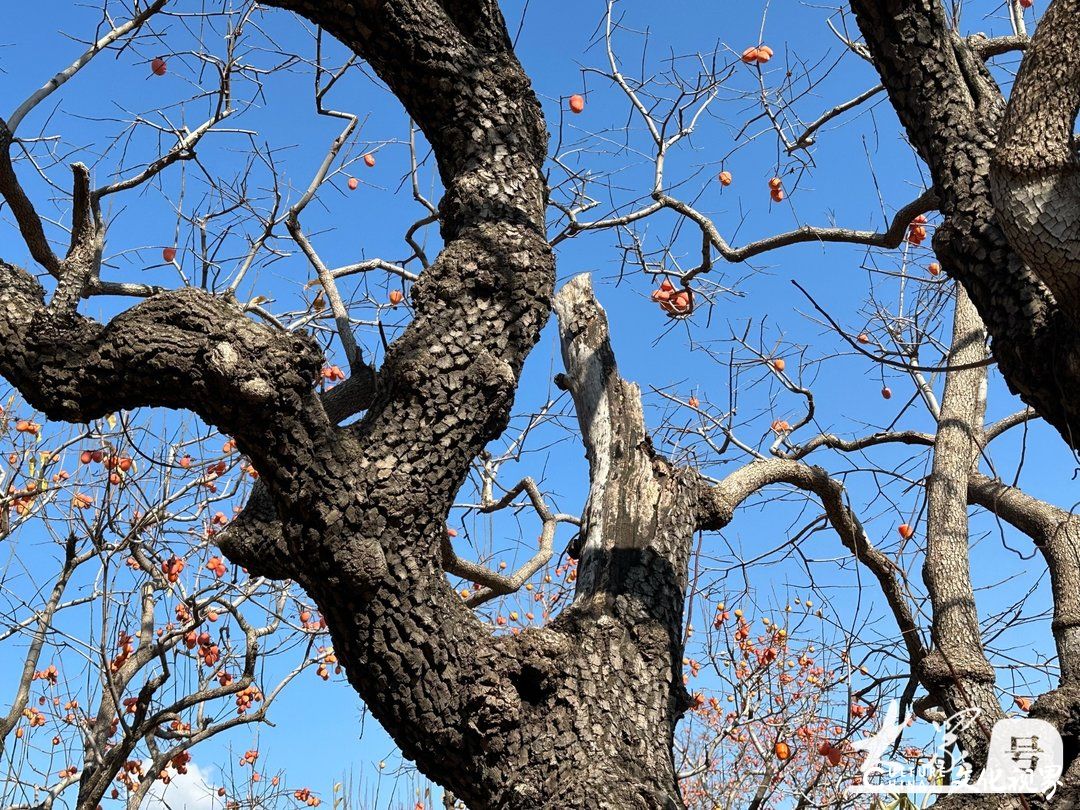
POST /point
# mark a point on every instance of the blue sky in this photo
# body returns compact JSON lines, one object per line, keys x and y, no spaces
{"x":860,"y":173}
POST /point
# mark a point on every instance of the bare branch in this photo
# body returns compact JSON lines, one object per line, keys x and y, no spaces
{"x":57,"y":81}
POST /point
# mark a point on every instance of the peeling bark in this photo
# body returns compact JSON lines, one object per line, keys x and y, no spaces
{"x":632,"y":577}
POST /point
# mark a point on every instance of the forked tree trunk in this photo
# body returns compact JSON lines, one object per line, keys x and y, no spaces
{"x":581,"y":713}
{"x":578,"y":714}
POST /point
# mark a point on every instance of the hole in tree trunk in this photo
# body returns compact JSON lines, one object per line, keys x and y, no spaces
{"x":532,"y":685}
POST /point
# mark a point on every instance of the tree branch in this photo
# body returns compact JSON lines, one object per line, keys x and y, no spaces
{"x":61,"y":78}
{"x":951,"y":107}
{"x":182,"y":349}
{"x":719,"y":502}
{"x":1056,"y":534}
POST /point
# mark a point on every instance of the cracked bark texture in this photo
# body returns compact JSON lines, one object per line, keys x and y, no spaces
{"x":953,"y":113}
{"x":578,"y":714}
{"x":1035,"y":173}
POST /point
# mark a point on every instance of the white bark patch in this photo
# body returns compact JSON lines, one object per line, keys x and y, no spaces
{"x":623,"y":490}
{"x":600,"y":438}
{"x":224,"y":358}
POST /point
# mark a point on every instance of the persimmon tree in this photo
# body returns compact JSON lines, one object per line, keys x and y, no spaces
{"x":356,"y":481}
{"x":140,"y":641}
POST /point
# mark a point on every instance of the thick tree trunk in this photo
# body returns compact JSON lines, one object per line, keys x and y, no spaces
{"x":1035,"y":174}
{"x":1007,"y":186}
{"x":627,"y":613}
{"x":582,"y":713}
{"x":578,"y":714}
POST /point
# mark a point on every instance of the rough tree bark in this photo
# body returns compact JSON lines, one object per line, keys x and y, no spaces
{"x":1005,"y":178}
{"x":580,"y":713}
{"x":1035,"y":172}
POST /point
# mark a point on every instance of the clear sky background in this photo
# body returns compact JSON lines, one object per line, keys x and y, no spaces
{"x":858,"y":175}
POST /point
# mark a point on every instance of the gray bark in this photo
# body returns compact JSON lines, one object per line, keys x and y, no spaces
{"x":957,"y":667}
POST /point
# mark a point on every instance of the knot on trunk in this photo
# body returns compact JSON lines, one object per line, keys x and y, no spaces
{"x":939,"y":672}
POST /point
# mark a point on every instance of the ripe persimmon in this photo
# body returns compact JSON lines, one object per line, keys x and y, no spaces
{"x":168,"y":254}
{"x":353,"y":184}
{"x":664,"y":292}
{"x":158,"y":66}
{"x":905,"y":531}
{"x":782,"y":751}
{"x":886,"y":393}
{"x":917,"y":231}
{"x":396,"y":297}
{"x":673,"y":302}
{"x":830,"y":752}
{"x":369,"y":160}
{"x":725,"y":178}
{"x":679,"y":304}
{"x":577,"y":103}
